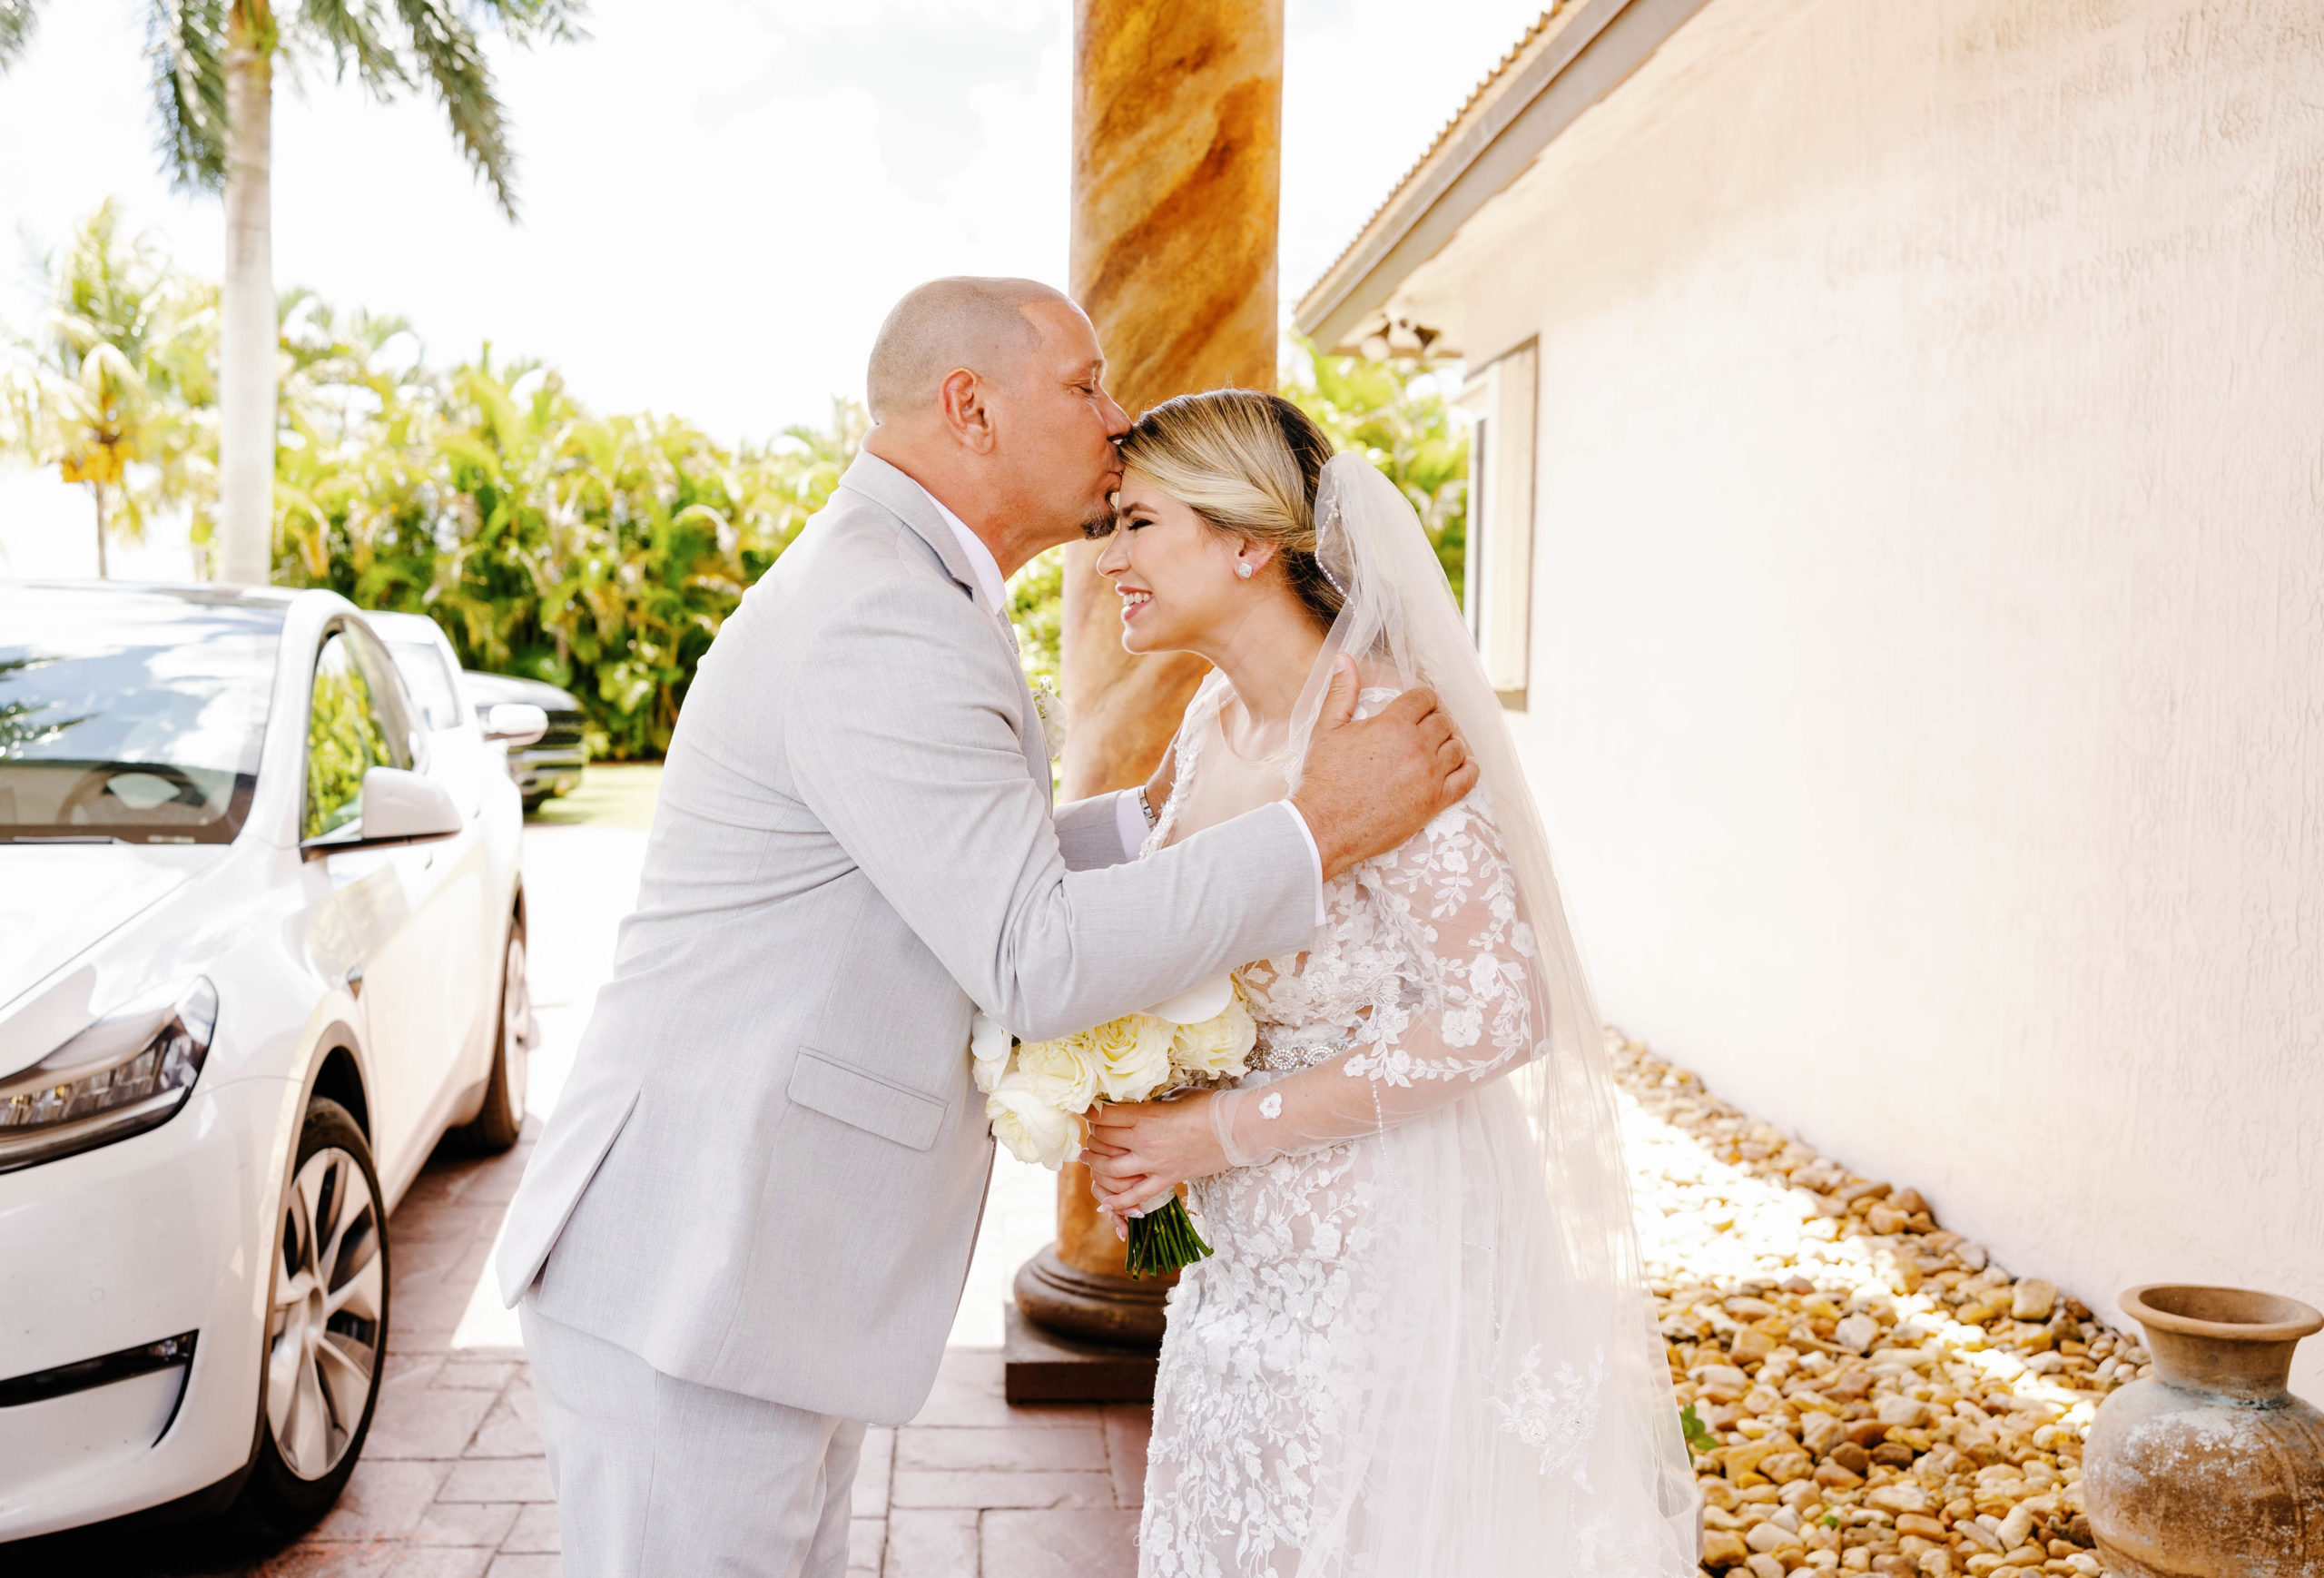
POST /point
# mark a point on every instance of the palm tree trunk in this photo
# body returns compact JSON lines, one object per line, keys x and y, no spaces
{"x":246,"y":348}
{"x":97,"y":492}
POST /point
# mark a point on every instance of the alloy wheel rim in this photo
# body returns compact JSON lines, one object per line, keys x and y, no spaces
{"x":516,"y":1025}
{"x":325,"y":1331}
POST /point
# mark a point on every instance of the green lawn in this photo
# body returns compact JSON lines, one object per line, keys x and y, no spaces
{"x":612,"y":794}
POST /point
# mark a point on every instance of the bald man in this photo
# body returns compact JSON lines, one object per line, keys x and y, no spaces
{"x":744,"y":1233}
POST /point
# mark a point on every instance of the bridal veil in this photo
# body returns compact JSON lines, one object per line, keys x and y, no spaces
{"x":1517,"y":1417}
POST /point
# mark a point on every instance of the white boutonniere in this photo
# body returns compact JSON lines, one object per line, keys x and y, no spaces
{"x":1051,"y":708}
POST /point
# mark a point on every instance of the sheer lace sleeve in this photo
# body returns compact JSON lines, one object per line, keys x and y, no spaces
{"x":1457,"y":1011}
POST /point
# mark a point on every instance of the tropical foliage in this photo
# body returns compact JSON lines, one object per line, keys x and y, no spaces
{"x":598,"y":553}
{"x":1037,"y":607}
{"x":212,"y":65}
{"x":427,"y":45}
{"x":115,"y":386}
{"x":1395,"y":413}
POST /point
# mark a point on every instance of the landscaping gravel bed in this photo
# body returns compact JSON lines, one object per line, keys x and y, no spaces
{"x":1873,"y":1393}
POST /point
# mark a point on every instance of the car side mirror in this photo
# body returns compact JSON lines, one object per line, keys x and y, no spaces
{"x":399,"y":807}
{"x":514,"y":723}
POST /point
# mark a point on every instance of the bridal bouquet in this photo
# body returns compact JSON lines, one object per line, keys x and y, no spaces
{"x":1036,"y":1092}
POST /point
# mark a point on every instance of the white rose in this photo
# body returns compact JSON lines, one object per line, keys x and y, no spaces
{"x":1133,"y":1055}
{"x":1029,"y":1125}
{"x":1218,"y":1044}
{"x":989,"y":1044}
{"x":1064,"y":1071}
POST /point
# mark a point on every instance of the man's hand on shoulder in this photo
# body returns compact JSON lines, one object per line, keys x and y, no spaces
{"x":1370,"y":785}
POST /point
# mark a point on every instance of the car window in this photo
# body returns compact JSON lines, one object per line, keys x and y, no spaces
{"x":355,"y":723}
{"x":133,"y":716}
{"x":390,"y":697}
{"x":429,"y":679}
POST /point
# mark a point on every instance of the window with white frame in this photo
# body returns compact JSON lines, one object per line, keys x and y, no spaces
{"x":1497,"y":580}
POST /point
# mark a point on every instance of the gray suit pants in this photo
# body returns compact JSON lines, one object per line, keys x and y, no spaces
{"x":654,"y":1476}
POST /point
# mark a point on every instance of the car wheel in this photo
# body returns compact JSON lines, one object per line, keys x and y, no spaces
{"x":494,"y":1127}
{"x":326,"y":1326}
{"x":535,"y":801}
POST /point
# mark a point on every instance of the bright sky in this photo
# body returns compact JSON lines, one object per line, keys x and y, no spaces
{"x":720,"y":198}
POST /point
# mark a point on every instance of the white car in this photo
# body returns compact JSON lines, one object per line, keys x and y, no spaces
{"x":261,"y":943}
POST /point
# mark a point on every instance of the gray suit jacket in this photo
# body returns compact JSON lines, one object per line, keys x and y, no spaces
{"x":766,"y":1171}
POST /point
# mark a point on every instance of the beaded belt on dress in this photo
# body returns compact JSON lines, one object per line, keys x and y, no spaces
{"x":1284,"y":1048}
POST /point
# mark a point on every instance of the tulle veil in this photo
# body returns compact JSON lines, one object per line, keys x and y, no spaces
{"x":1525,"y":1307}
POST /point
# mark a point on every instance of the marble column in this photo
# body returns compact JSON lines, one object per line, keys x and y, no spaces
{"x":1178,"y":124}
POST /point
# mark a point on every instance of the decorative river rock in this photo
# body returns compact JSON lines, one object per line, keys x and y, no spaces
{"x":2211,"y":1468}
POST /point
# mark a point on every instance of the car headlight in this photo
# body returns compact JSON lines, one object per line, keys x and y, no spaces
{"x":128,"y":1073}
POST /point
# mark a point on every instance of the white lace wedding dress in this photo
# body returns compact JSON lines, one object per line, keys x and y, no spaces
{"x":1390,"y":1368}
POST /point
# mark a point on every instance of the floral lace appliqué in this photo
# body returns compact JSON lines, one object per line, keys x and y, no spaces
{"x":1307,"y":1397}
{"x":1558,"y":1414}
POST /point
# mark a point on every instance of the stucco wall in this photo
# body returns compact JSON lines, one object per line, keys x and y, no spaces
{"x":1928,"y":689}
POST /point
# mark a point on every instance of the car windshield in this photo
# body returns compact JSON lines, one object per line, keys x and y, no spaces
{"x":134,"y":716}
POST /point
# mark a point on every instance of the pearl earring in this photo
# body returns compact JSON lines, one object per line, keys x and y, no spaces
{"x":1244,"y":571}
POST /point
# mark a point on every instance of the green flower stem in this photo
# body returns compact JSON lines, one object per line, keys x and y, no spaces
{"x":1164,"y":1241}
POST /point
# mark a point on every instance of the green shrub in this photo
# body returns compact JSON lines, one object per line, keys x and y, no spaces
{"x":600,"y":554}
{"x":1396,"y":414}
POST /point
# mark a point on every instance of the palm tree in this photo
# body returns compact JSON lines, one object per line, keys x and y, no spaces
{"x":118,"y":376}
{"x":213,"y":82}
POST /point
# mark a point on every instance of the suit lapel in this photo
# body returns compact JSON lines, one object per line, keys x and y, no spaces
{"x":905,"y":500}
{"x":909,"y":502}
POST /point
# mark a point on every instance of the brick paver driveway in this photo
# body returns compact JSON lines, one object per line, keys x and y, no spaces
{"x":453,"y":1484}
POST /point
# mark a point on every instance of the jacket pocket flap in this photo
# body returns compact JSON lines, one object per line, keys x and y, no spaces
{"x":853,"y":1097}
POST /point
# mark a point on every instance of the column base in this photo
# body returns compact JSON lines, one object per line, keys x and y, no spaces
{"x":1082,"y":1336}
{"x":1091,"y":1306}
{"x":1040,"y":1367}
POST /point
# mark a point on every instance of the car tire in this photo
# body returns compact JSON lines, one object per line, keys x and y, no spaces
{"x":501,"y":1120}
{"x":535,"y":801}
{"x":326,"y":1339}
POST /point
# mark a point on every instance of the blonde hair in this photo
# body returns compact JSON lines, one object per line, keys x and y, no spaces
{"x":1248,"y":464}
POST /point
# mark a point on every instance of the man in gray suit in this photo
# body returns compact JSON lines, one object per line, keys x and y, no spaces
{"x":744,"y":1233}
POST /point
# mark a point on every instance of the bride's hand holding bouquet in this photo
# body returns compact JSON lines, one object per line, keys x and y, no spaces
{"x":1046,"y":1099}
{"x":1139,"y":1151}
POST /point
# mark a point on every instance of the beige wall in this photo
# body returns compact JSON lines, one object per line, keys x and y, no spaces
{"x":1928,"y":689}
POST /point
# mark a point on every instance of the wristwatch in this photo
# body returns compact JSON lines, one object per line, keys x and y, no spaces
{"x":1146,"y":806}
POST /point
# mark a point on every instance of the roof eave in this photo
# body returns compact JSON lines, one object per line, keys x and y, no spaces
{"x":1573,"y":61}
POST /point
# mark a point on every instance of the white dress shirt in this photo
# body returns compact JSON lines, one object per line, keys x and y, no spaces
{"x":980,"y":559}
{"x":1128,"y":817}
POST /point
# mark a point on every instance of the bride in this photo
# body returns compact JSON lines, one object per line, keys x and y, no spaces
{"x":1422,"y":1346}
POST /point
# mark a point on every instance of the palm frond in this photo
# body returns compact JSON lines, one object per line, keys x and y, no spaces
{"x":18,"y":18}
{"x":524,"y":21}
{"x":186,"y":44}
{"x":353,"y":31}
{"x":452,"y":59}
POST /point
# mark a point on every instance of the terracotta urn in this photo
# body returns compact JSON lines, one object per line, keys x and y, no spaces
{"x":2209,"y":1468}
